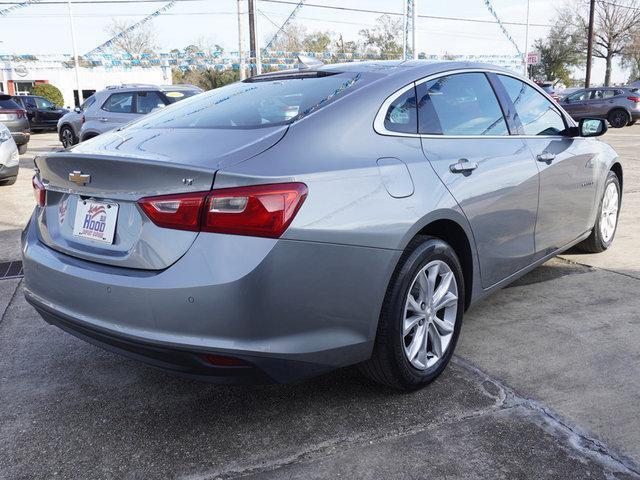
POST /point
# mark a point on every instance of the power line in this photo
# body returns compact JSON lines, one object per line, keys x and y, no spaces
{"x":293,"y":2}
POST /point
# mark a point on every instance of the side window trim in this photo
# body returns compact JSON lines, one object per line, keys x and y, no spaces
{"x":133,"y":100}
{"x":378,"y":123}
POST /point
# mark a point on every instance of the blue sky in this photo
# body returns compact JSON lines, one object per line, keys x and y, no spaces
{"x":45,"y":28}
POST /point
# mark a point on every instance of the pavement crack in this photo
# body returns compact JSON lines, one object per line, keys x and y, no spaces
{"x":558,"y":426}
{"x":628,"y":275}
{"x":13,"y":296}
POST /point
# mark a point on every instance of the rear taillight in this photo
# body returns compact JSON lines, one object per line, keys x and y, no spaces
{"x":82,"y":119}
{"x":39,"y":191}
{"x":634,"y":99}
{"x":259,"y":210}
{"x":181,"y":212}
{"x":21,"y":113}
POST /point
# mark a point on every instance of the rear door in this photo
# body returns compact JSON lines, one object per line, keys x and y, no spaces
{"x":576,"y":104}
{"x":598,"y":102}
{"x":117,"y":110}
{"x":567,"y":173}
{"x":491,"y":174}
{"x":147,"y":102}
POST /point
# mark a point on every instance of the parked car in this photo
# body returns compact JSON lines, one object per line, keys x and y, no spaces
{"x":14,"y":117}
{"x":620,"y":106}
{"x":121,"y":104}
{"x":42,"y":114}
{"x":69,"y":125}
{"x":9,"y":157}
{"x":219,"y":240}
{"x":549,"y":89}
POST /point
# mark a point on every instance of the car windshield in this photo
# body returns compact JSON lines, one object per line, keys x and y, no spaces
{"x":256,"y":103}
{"x":177,"y":95}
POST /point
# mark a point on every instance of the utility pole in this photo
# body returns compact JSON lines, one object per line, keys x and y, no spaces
{"x":413,"y":29}
{"x":526,"y":44}
{"x":253,"y":36}
{"x":240,"y":40}
{"x":587,"y":77}
{"x":75,"y":53}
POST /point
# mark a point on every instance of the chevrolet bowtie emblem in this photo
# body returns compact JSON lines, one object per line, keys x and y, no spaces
{"x":79,"y":178}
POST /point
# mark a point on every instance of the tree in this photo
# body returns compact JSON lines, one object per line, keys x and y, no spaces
{"x":50,"y":92}
{"x":290,"y":39}
{"x":559,"y":52}
{"x":631,"y":57}
{"x":135,"y":42}
{"x":317,"y":42}
{"x":614,"y":26}
{"x":385,"y":39}
{"x":207,"y":79}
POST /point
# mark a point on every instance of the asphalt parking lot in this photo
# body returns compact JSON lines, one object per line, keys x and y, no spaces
{"x":545,"y":384}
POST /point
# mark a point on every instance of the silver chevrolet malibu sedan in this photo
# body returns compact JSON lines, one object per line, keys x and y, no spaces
{"x":306,"y":220}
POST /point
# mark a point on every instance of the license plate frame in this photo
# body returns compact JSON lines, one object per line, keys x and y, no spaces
{"x":96,"y":220}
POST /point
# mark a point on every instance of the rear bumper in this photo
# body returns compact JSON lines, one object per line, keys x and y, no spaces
{"x":21,"y":138}
{"x":8,"y":172}
{"x":289,"y":309}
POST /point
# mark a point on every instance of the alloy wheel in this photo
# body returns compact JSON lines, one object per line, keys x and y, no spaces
{"x":609,"y":212}
{"x":430,"y":314}
{"x":67,"y":138}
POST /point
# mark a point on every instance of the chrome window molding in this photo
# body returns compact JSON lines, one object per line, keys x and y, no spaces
{"x":378,"y":123}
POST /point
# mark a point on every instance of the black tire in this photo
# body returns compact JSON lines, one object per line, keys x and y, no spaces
{"x":8,"y":181}
{"x":388,"y":364}
{"x":632,"y":122}
{"x":67,"y":137}
{"x":618,"y":118}
{"x":22,"y":148}
{"x":595,"y":243}
{"x":89,"y":136}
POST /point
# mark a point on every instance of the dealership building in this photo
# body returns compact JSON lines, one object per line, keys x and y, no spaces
{"x":19,"y":76}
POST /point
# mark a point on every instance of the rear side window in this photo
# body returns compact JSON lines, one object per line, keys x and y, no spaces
{"x":254,"y":104}
{"x":146,"y":102}
{"x":401,"y":116}
{"x":537,"y":115}
{"x":9,"y":104}
{"x":461,"y":104}
{"x":119,"y":103}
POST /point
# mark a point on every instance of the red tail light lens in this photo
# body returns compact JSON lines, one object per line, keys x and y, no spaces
{"x":634,"y":99}
{"x":22,"y":113}
{"x":259,"y":210}
{"x":180,"y":212}
{"x":39,"y":192}
{"x":222,"y":361}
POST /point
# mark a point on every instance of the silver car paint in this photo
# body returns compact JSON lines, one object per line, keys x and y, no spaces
{"x":315,"y":294}
{"x":601,"y":107}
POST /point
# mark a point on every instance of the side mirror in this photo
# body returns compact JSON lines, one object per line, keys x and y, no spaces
{"x":592,"y":127}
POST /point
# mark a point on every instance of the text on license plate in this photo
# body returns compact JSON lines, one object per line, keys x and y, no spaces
{"x":96,"y":220}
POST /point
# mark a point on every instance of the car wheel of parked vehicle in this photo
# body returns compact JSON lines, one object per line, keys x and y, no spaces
{"x":421,"y":317}
{"x":88,"y":136}
{"x":607,"y":220}
{"x":8,"y":181}
{"x":67,"y":137}
{"x":22,"y":148}
{"x":618,"y":118}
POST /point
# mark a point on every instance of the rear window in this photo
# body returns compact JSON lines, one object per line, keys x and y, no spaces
{"x":255,"y":104}
{"x":9,"y":104}
{"x":173,"y":96}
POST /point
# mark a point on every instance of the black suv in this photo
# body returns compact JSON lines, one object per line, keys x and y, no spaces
{"x":42,"y":114}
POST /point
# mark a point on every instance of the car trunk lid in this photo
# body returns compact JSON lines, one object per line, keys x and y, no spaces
{"x":101,"y":181}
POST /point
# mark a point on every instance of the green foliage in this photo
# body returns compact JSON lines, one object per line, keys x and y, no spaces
{"x":50,"y":92}
{"x":385,"y":39}
{"x":559,"y":52}
{"x":206,"y":79}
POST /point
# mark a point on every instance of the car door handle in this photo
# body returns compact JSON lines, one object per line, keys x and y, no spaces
{"x":546,"y":157}
{"x":104,"y":119}
{"x":463,"y":166}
